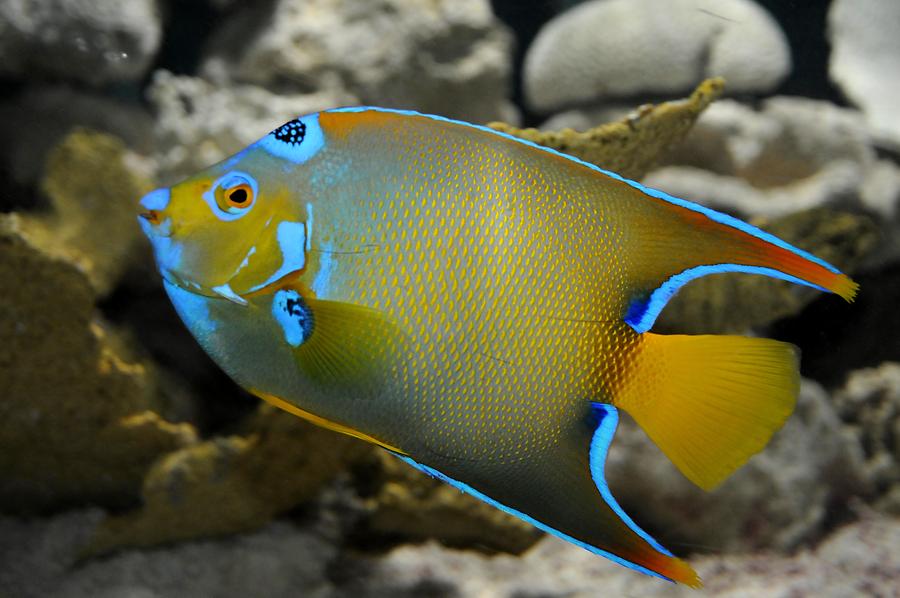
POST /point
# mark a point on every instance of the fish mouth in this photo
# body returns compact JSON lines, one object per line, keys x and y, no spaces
{"x":151,"y":216}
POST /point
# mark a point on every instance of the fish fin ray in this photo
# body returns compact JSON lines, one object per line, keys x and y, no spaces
{"x":347,"y":346}
{"x":679,"y":241}
{"x":711,"y":402}
{"x":562,"y":491}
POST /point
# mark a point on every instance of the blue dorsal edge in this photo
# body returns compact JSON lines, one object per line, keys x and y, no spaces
{"x":608,"y":420}
{"x":642,"y":313}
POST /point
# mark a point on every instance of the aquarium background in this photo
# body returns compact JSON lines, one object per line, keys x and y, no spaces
{"x":131,"y":466}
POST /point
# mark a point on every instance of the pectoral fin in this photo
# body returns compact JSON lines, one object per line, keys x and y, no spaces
{"x":563,"y":492}
{"x":341,"y":346}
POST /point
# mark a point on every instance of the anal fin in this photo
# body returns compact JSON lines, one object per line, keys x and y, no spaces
{"x":563,"y":492}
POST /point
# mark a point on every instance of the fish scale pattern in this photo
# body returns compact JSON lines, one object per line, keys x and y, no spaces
{"x":494,"y":268}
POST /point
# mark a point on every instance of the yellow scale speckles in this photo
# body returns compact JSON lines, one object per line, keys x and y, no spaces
{"x":466,"y":245}
{"x":462,"y":302}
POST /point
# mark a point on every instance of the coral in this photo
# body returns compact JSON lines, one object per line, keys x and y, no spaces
{"x":412,"y":506}
{"x":42,"y":558}
{"x":79,"y":421}
{"x":621,"y":48}
{"x":232,"y":483}
{"x":450,"y":57}
{"x":860,"y":560}
{"x":631,"y":146}
{"x":92,"y":182}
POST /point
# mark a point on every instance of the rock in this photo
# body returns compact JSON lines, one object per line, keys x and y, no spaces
{"x":631,"y":146}
{"x":199,"y":123}
{"x":786,"y":139}
{"x":587,"y":117}
{"x":38,"y":558}
{"x":862,"y":559}
{"x":231,"y":484}
{"x":34,"y":121}
{"x":792,"y":155}
{"x":777,"y":501}
{"x":834,"y":186}
{"x":80,"y":420}
{"x":607,"y":49}
{"x":41,"y":558}
{"x":449,"y":57}
{"x":411,"y":506}
{"x":863,"y":62}
{"x":869,"y":404}
{"x":82,"y":40}
{"x":880,"y":195}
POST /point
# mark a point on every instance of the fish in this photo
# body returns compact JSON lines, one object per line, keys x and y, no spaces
{"x":481,"y":307}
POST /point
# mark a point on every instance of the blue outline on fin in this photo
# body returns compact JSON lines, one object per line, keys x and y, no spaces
{"x":603,"y":435}
{"x":642,"y":314}
{"x":601,"y":440}
{"x":663,"y":293}
{"x":708,"y":212}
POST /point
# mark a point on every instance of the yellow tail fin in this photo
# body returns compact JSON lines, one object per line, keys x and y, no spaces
{"x":711,"y":402}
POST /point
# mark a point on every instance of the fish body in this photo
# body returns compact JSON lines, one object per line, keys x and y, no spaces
{"x":478,"y":305}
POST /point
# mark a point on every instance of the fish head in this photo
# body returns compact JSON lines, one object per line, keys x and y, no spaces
{"x":230,"y":230}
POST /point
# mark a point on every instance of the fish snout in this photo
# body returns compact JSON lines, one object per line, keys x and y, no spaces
{"x":156,"y":200}
{"x":154,"y":203}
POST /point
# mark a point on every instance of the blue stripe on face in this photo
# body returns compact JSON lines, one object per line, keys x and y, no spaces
{"x":291,"y":238}
{"x":709,"y":213}
{"x":541,"y":526}
{"x":642,"y":313}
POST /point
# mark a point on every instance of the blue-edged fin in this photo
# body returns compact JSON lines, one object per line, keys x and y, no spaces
{"x":710,"y":402}
{"x":676,"y":241}
{"x":341,"y":346}
{"x":563,"y":491}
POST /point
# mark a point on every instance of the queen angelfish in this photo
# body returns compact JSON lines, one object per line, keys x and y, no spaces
{"x":480,"y":306}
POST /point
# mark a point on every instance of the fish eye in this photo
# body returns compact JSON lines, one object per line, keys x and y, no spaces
{"x":235,"y":194}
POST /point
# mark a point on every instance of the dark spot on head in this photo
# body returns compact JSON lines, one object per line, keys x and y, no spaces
{"x":291,"y":132}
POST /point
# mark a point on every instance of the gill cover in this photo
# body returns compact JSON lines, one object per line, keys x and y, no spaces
{"x":232,"y":230}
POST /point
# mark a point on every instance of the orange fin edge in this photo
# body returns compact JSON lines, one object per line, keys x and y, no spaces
{"x":321,"y":421}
